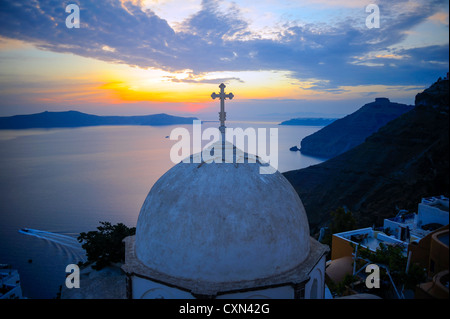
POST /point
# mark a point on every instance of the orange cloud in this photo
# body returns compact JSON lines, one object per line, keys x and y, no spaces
{"x":441,"y":17}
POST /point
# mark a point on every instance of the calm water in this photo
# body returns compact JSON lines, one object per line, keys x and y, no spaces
{"x":61,"y":182}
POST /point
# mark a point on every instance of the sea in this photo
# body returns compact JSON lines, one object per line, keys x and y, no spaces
{"x":57,"y":183}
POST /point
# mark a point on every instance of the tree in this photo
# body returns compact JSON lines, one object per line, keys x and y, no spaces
{"x":392,"y":256}
{"x":105,"y":245}
{"x":340,"y":288}
{"x":342,"y":220}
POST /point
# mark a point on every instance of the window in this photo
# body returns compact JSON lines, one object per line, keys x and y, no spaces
{"x":299,"y":291}
{"x":431,"y":265}
{"x":313,"y":293}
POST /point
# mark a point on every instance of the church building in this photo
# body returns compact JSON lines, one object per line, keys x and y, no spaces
{"x":223,"y":230}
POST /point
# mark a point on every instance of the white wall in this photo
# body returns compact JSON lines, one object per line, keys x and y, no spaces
{"x":388,"y":239}
{"x":348,"y":234}
{"x":429,"y":214}
{"x":147,"y":289}
{"x":283,"y":292}
{"x":317,"y":277}
{"x":393,"y":226}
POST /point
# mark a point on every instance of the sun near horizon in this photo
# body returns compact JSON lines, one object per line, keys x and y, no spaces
{"x":144,"y":57}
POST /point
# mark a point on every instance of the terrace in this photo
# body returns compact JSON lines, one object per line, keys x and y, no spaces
{"x":433,"y":213}
{"x":369,"y":238}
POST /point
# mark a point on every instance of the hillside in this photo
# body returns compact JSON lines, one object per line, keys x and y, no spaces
{"x":405,"y":160}
{"x":308,"y":121}
{"x":350,"y":131}
{"x":78,"y":119}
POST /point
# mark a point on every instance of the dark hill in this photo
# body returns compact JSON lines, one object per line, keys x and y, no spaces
{"x":78,"y":119}
{"x":308,"y":121}
{"x":405,"y":160}
{"x":350,"y":131}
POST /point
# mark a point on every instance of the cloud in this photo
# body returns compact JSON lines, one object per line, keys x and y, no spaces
{"x":211,"y":24}
{"x":205,"y":81}
{"x":440,"y":17}
{"x":217,"y":39}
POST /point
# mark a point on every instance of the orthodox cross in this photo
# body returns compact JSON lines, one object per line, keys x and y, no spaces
{"x":222,"y":114}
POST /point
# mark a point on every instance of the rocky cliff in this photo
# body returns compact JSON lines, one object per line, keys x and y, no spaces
{"x":405,"y":160}
{"x":350,"y":131}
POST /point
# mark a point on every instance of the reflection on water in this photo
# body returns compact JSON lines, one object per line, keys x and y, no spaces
{"x":66,"y":243}
{"x":61,"y":182}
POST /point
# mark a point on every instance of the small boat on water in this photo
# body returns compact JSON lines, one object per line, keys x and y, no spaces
{"x":25,"y":230}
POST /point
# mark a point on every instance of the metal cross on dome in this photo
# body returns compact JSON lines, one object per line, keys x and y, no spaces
{"x":222,"y":114}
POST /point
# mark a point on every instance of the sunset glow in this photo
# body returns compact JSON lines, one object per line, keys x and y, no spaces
{"x":167,"y":56}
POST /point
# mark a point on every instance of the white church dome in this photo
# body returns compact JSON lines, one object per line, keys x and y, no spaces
{"x":222,"y":222}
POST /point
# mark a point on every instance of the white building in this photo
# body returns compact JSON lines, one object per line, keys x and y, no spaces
{"x":9,"y":283}
{"x":433,"y":213}
{"x":223,"y":230}
{"x":399,"y":230}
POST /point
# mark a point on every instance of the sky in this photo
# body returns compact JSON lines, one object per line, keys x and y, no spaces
{"x":280,"y":59}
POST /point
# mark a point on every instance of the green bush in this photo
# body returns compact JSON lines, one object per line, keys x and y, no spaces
{"x":105,"y":245}
{"x":392,"y":256}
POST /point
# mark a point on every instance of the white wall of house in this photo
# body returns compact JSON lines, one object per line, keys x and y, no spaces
{"x":429,"y":214}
